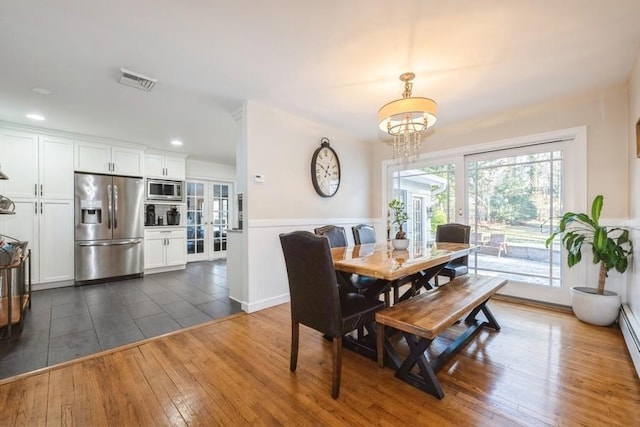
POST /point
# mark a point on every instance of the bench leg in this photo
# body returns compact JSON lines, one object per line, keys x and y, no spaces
{"x":427,"y":380}
{"x":491,"y":320}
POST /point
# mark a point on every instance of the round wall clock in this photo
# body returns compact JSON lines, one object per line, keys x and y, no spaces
{"x":325,"y":170}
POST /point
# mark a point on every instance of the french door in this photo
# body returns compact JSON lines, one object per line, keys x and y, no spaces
{"x":510,"y":197}
{"x":208,"y":214}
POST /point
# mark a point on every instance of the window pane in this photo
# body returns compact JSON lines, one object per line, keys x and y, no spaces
{"x":510,"y":201}
{"x":431,"y":192}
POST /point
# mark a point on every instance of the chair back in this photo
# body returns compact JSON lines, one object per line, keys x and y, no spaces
{"x":363,"y":234}
{"x":453,"y":233}
{"x":313,"y":287}
{"x":336,"y":235}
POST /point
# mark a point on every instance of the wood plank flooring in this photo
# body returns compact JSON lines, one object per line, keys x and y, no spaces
{"x":543,"y":368}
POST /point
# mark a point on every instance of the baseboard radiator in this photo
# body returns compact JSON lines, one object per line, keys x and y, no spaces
{"x":631,"y":331}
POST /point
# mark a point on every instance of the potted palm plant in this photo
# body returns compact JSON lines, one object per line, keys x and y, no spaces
{"x":399,"y":218}
{"x":611,"y":248}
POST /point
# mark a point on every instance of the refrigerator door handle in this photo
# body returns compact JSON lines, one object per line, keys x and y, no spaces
{"x":120,"y":242}
{"x":109,"y":207}
{"x":115,"y":207}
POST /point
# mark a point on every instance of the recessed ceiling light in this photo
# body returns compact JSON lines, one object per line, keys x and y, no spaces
{"x":41,"y":91}
{"x":33,"y":116}
{"x":176,"y":142}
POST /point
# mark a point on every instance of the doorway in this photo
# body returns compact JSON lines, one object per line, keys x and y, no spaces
{"x":208,"y":214}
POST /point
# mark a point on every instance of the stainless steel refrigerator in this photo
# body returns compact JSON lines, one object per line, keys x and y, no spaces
{"x":109,"y":227}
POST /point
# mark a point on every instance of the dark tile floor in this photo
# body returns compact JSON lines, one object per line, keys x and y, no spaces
{"x":70,"y":322}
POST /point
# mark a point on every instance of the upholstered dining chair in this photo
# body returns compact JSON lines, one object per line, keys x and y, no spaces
{"x":336,"y":235}
{"x":454,"y":233}
{"x":315,"y":300}
{"x":363,"y":234}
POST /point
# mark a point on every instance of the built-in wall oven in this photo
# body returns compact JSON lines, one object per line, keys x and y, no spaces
{"x":164,"y":190}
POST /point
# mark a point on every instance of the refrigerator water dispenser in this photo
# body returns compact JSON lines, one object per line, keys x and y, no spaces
{"x":91,"y":211}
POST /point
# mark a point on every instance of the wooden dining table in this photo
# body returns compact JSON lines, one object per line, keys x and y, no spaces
{"x":417,"y":264}
{"x":389,"y":268}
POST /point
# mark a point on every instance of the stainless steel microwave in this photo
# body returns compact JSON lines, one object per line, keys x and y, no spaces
{"x":160,"y":189}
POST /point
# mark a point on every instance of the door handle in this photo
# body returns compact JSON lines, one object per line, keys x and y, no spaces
{"x":41,"y":189}
{"x":115,"y":207}
{"x":123,"y":242}
{"x":109,"y":207}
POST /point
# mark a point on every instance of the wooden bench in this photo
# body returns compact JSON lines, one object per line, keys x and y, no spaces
{"x":422,"y":318}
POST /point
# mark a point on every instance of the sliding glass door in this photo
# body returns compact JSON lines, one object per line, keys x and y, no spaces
{"x":432,"y":195}
{"x":510,"y":197}
{"x":513,"y":196}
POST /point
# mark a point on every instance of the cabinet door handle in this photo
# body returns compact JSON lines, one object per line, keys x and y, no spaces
{"x":35,"y":191}
{"x":41,"y":207}
{"x":41,"y":189}
{"x":35,"y":206}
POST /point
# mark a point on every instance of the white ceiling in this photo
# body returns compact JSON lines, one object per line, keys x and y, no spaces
{"x":334,"y":61}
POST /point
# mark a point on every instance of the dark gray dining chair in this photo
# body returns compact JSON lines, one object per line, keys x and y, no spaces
{"x":336,"y":235}
{"x":316,"y":301}
{"x":454,"y":233}
{"x":363,"y":234}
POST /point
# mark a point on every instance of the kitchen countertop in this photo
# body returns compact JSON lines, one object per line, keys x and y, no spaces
{"x":157,"y":227}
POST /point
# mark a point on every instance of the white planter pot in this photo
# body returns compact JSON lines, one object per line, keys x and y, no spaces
{"x":588,"y":306}
{"x":400,"y":243}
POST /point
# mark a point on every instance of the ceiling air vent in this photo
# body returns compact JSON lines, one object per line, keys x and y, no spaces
{"x":137,"y":80}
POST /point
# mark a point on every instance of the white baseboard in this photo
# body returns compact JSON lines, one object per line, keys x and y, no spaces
{"x":265,"y":303}
{"x":631,"y":332}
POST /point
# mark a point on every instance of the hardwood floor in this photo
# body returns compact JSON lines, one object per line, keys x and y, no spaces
{"x":542,"y":368}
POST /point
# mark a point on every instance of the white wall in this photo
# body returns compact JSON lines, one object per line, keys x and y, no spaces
{"x":279,"y":146}
{"x":634,"y":161}
{"x":197,"y":169}
{"x":632,"y":308}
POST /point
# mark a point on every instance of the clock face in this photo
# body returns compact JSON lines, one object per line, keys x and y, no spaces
{"x":325,"y":170}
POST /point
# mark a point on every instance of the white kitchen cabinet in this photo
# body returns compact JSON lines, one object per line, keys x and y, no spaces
{"x":19,"y":160}
{"x":56,"y":168}
{"x":165,"y":249}
{"x":40,"y":184}
{"x":55,"y":225}
{"x":107,"y":159}
{"x":164,"y":167}
{"x":48,"y":227}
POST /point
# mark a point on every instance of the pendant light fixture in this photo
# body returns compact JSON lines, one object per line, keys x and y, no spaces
{"x":406,"y":119}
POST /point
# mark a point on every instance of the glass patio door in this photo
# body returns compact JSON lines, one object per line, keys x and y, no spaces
{"x":208,"y":216}
{"x":510,"y":197}
{"x":433,"y":194}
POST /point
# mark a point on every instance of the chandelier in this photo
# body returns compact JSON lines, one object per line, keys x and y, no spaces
{"x":407,"y":119}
